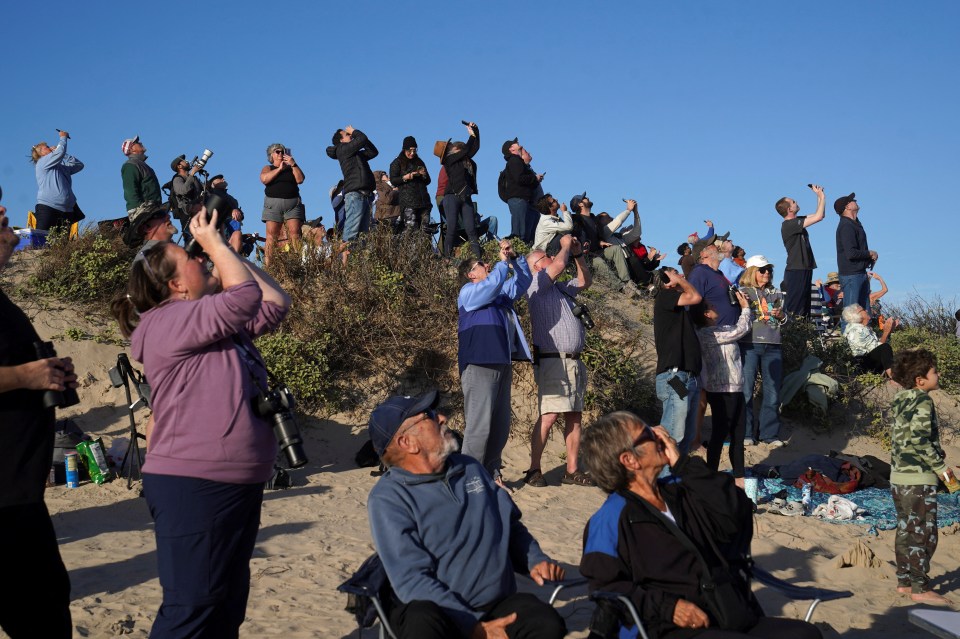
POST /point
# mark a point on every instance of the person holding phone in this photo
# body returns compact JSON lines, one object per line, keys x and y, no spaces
{"x":282,"y":206}
{"x":56,"y":203}
{"x":678,"y":355}
{"x":798,"y":273}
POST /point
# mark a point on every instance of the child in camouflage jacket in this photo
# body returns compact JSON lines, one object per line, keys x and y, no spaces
{"x":917,"y":463}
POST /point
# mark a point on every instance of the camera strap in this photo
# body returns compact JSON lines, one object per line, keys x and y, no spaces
{"x":249,"y":358}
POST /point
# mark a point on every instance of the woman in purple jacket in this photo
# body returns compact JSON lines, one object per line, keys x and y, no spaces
{"x":209,"y":454}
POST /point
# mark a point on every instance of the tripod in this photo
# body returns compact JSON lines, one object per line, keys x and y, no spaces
{"x":122,"y":375}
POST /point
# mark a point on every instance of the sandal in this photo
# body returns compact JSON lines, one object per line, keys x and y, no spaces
{"x":534,"y":477}
{"x":580,"y":478}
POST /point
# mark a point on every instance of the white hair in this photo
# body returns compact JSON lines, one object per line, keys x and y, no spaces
{"x":851,"y":313}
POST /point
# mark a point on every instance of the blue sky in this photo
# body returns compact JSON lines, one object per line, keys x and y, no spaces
{"x":696,"y":109}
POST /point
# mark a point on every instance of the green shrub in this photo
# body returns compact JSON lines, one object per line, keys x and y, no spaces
{"x":300,"y":365}
{"x":946,"y":348}
{"x":90,"y":269}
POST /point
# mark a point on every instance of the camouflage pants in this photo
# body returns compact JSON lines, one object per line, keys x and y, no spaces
{"x":917,"y":534}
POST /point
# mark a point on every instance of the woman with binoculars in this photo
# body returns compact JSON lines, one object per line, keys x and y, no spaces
{"x":209,"y":453}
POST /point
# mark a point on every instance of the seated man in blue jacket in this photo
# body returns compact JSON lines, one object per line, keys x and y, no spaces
{"x":490,"y":338}
{"x":449,"y":539}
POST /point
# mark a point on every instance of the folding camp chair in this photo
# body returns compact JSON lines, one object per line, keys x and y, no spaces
{"x":369,"y":595}
{"x":800,"y":593}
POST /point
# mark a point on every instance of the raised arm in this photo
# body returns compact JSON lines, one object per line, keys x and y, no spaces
{"x":810,"y":220}
{"x":875,"y":295}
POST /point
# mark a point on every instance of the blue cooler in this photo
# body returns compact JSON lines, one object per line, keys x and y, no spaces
{"x":31,"y":239}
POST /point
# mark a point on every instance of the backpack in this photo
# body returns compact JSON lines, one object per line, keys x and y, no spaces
{"x":173,"y":203}
{"x":502,"y":185}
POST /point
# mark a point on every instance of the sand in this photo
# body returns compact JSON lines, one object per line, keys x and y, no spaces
{"x":315,"y":534}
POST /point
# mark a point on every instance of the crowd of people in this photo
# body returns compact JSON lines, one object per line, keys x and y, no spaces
{"x":442,"y":520}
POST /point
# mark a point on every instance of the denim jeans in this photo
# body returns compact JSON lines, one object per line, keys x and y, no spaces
{"x":519,"y":216}
{"x":856,"y":290}
{"x":356,"y":208}
{"x":679,"y":415}
{"x":767,"y":358}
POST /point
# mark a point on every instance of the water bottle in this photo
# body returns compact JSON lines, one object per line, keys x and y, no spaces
{"x":807,"y":498}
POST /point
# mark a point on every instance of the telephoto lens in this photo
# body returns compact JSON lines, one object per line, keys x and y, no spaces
{"x":52,"y":398}
{"x":277,"y":405}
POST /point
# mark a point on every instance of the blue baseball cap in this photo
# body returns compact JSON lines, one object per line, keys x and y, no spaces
{"x":385,"y":420}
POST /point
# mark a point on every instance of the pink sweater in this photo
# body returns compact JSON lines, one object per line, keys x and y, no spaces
{"x":201,"y":386}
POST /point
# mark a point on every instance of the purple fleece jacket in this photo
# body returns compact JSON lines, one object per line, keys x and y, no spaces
{"x":201,"y":387}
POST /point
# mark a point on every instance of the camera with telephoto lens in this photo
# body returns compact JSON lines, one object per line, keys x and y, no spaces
{"x":202,"y":160}
{"x":277,"y":405}
{"x":212,"y":202}
{"x":581,"y":312}
{"x":53,"y":398}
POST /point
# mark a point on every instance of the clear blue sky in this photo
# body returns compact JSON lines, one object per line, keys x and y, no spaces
{"x":696,"y":109}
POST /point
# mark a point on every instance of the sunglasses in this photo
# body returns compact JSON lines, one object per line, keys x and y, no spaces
{"x":765,"y":269}
{"x":646,"y":435}
{"x":427,"y":414}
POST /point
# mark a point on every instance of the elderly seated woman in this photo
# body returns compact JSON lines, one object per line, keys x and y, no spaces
{"x":661,"y":542}
{"x":873,"y":354}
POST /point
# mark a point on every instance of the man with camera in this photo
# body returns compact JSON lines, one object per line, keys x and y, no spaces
{"x":449,"y":539}
{"x":551,"y":227}
{"x":615,"y":244}
{"x":186,"y":187}
{"x":678,"y":355}
{"x":354,"y":151}
{"x":26,"y":438}
{"x":140,"y":184}
{"x":490,"y":339}
{"x":558,"y":338}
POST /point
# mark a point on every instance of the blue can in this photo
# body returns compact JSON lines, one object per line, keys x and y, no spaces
{"x":73,"y":473}
{"x":807,"y":499}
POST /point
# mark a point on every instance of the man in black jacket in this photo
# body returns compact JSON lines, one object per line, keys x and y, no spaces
{"x":354,"y":151}
{"x":522,"y":183}
{"x":854,"y":256}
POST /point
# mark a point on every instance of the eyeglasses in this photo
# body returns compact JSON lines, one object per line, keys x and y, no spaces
{"x":479,"y":263}
{"x":412,"y":149}
{"x":765,"y":269}
{"x":427,"y":414}
{"x":280,"y":151}
{"x":536,"y":261}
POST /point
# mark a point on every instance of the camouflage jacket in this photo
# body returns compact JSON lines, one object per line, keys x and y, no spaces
{"x":916,"y":457}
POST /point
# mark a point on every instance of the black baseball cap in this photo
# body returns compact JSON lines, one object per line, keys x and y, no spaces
{"x":842,"y":202}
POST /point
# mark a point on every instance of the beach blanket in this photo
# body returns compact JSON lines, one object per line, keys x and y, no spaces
{"x":875,"y":505}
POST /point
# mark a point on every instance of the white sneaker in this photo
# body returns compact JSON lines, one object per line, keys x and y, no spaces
{"x":749,"y":441}
{"x":776,"y":443}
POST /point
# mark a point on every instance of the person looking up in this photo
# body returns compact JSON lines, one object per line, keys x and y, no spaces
{"x":56,"y":204}
{"x":798,"y":273}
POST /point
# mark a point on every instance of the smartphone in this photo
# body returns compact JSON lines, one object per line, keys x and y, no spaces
{"x":678,"y":386}
{"x":809,"y":186}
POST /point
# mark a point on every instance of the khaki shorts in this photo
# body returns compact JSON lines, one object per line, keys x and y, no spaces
{"x":561,"y":384}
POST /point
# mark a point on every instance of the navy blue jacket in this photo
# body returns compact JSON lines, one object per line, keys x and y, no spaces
{"x":853,"y":253}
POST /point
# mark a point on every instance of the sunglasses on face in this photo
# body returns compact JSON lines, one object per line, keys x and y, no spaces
{"x":765,"y":269}
{"x":646,"y":435}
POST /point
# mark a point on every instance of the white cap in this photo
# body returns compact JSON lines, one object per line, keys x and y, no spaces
{"x":758,"y":261}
